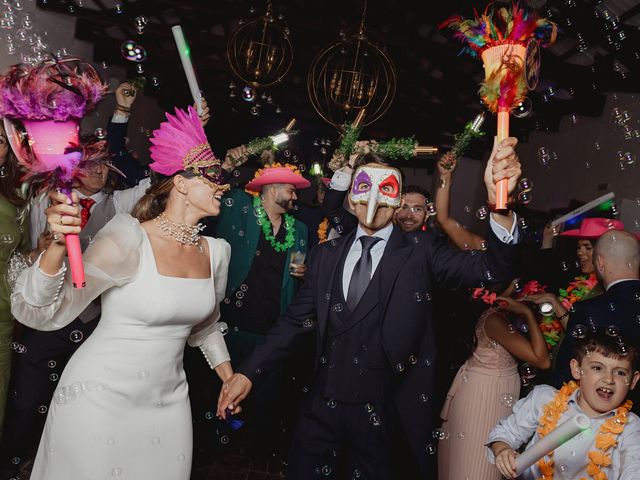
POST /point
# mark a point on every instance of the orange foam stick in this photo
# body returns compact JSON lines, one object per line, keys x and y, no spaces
{"x":502,"y":187}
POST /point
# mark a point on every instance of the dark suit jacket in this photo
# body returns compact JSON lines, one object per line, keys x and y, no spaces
{"x":620,"y":306}
{"x":116,"y":139}
{"x":333,"y":209}
{"x":411,"y":267}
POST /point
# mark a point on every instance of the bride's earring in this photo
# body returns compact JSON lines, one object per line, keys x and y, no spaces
{"x":3,"y":171}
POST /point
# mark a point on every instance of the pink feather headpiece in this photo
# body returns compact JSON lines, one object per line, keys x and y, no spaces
{"x":180,"y":144}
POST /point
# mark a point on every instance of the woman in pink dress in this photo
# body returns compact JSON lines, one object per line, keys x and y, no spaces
{"x":485,"y":389}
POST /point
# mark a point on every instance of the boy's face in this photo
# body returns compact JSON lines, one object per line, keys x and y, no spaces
{"x":604,"y":382}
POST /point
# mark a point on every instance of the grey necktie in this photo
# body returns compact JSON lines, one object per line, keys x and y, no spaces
{"x":361,"y":275}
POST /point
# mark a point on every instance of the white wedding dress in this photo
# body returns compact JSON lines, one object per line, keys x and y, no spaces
{"x":121,"y":409}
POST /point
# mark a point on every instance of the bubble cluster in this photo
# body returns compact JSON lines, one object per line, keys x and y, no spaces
{"x":133,"y":51}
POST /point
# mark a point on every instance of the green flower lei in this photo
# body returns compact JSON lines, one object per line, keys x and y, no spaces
{"x":267,"y":229}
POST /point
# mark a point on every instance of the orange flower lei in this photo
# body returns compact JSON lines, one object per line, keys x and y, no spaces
{"x":322,"y":230}
{"x":293,"y":168}
{"x":605,"y":440}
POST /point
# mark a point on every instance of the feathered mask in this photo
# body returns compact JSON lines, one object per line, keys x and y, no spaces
{"x":180,"y":144}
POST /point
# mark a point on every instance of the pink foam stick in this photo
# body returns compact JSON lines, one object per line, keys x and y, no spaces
{"x":74,"y":252}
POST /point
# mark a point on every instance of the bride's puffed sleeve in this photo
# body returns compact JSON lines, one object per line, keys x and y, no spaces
{"x":49,"y":302}
{"x":209,"y":335}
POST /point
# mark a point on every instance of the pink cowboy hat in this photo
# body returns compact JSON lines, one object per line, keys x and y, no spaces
{"x":593,"y":228}
{"x":270,"y":175}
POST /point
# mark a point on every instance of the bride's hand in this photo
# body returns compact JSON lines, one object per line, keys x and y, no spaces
{"x":63,"y":216}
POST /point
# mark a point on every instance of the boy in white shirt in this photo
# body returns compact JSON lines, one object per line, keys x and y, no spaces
{"x":605,"y":369}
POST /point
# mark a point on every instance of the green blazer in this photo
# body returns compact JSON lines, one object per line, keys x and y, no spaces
{"x":237,"y":224}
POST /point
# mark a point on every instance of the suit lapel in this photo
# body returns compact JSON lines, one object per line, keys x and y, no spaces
{"x":326,"y":275}
{"x":394,"y":258}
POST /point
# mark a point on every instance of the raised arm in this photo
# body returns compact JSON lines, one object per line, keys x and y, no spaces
{"x":533,"y":351}
{"x":461,"y":237}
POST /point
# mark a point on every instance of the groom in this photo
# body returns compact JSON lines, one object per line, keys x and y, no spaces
{"x":367,"y":299}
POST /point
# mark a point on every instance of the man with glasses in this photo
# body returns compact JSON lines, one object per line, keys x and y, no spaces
{"x":413,"y":212}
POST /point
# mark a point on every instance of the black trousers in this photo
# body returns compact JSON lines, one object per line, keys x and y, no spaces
{"x":34,"y":377}
{"x":349,"y":441}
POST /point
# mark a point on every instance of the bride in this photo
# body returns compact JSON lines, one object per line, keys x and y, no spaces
{"x":121,"y":409}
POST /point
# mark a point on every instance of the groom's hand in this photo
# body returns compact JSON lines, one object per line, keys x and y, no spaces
{"x":234,"y":390}
{"x":503,"y":163}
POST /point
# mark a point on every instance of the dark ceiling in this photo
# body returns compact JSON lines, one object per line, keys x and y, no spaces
{"x":436,"y":88}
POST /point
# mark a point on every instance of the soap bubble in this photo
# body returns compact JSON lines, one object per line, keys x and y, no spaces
{"x":523,"y":109}
{"x":133,"y":51}
{"x":248,"y":94}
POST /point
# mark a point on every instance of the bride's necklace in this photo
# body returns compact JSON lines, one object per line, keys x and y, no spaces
{"x":180,"y":232}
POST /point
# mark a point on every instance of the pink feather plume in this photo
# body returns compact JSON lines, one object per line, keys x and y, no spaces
{"x":174,"y":140}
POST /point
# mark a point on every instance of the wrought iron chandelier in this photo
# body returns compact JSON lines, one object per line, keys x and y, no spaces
{"x":352,"y":75}
{"x":260,"y":51}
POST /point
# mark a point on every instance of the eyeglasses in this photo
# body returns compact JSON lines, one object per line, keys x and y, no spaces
{"x":407,"y":208}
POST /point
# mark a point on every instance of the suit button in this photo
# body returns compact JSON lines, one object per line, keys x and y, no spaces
{"x":400,"y":368}
{"x":413,"y":360}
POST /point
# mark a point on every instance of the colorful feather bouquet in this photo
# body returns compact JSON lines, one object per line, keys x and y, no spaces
{"x":42,"y":106}
{"x":508,"y":40}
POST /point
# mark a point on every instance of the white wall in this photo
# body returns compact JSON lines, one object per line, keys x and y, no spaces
{"x":581,"y":171}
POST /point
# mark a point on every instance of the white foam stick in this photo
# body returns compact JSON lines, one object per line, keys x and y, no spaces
{"x":563,"y":433}
{"x":185,"y":57}
{"x":584,"y":208}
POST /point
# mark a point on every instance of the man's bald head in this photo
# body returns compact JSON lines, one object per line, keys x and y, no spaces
{"x":617,"y":256}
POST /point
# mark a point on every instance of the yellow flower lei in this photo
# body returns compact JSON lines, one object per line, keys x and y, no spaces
{"x":605,"y":440}
{"x":322,"y":230}
{"x":293,"y":168}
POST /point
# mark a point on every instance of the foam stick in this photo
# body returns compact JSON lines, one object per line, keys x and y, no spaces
{"x":584,"y":208}
{"x":49,"y":141}
{"x":493,"y":58}
{"x":74,"y":252}
{"x":502,"y":36}
{"x":562,"y":434}
{"x":187,"y":65}
{"x":49,"y":99}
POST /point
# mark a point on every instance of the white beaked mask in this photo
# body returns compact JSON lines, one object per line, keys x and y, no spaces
{"x":376,"y":186}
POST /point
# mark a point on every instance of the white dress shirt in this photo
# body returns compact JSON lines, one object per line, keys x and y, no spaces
{"x":521,"y":428}
{"x":356,"y":251}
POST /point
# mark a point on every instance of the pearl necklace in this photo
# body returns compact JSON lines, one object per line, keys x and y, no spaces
{"x":180,"y":232}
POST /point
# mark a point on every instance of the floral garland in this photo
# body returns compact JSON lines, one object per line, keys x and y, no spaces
{"x":550,"y":327}
{"x":530,"y":288}
{"x":267,"y":229}
{"x":293,"y":168}
{"x":484,"y":296}
{"x":605,"y":439}
{"x":577,"y":290}
{"x":322,"y":230}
